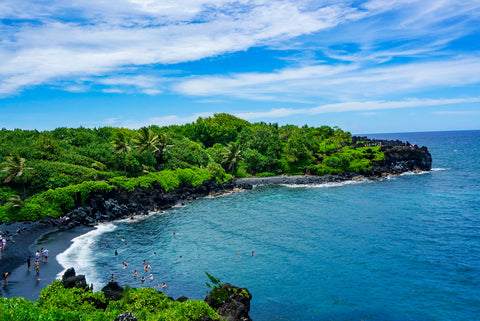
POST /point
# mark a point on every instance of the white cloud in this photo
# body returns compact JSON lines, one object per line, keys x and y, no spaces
{"x":365,"y":106}
{"x":63,"y":41}
{"x":458,"y":112}
{"x":56,"y":50}
{"x":333,"y":81}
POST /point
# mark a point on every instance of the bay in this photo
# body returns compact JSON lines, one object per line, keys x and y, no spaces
{"x":400,"y":248}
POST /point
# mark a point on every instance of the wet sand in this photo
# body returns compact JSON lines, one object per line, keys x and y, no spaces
{"x":25,"y":284}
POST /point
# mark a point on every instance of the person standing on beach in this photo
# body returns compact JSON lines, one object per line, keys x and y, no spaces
{"x":37,"y":255}
{"x":29,"y":261}
{"x":5,"y":278}
{"x":37,"y":270}
{"x":45,"y":252}
{"x":4,"y":242}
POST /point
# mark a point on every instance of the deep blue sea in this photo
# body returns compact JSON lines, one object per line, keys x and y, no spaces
{"x":400,"y":248}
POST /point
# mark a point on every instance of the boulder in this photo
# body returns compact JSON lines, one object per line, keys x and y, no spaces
{"x":113,"y":291}
{"x":236,"y":307}
{"x":182,"y":299}
{"x":71,"y":280}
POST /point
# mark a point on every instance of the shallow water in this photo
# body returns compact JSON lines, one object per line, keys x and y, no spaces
{"x":400,"y":248}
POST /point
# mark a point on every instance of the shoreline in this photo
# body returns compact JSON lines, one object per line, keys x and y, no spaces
{"x":300,"y":179}
{"x":22,"y":283}
{"x":22,"y":237}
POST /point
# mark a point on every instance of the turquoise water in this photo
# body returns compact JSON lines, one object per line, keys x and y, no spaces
{"x":400,"y":248}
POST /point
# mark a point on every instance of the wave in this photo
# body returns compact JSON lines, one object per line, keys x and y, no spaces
{"x":331,"y":184}
{"x":81,"y":253}
{"x":439,"y":169}
{"x":140,"y":217}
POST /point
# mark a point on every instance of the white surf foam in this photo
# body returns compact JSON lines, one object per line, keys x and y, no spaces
{"x":140,"y":217}
{"x":439,"y":169}
{"x":80,"y":254}
{"x":327,"y":185}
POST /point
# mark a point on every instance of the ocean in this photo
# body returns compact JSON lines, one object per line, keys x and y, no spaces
{"x":399,"y":248}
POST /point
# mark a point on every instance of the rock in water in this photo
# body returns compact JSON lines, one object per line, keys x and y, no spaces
{"x":70,"y":280}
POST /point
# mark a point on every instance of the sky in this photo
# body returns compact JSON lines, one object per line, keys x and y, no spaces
{"x":373,"y":66}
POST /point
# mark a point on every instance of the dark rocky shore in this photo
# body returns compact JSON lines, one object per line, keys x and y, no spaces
{"x":118,"y":204}
{"x":234,"y":308}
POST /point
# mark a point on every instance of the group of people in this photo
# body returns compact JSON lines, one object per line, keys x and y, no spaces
{"x":146,"y":267}
{"x":40,"y":254}
{"x":3,"y":244}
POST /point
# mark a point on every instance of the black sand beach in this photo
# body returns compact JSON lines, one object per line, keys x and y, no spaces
{"x":31,"y":237}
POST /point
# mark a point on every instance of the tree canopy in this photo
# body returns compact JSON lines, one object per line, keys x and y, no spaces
{"x":34,"y":161}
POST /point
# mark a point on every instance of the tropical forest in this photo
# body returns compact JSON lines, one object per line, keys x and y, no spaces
{"x":41,"y":170}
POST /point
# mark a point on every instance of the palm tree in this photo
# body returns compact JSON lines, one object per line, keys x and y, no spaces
{"x":162,"y":147}
{"x":15,"y":201}
{"x":232,"y":154}
{"x":145,"y":140}
{"x":121,"y":145}
{"x":99,"y":166}
{"x":14,"y":166}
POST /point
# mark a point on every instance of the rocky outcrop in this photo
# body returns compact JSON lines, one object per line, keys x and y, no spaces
{"x":401,"y":159}
{"x":71,"y":280}
{"x":113,"y":291}
{"x":121,"y":203}
{"x":235,"y":307}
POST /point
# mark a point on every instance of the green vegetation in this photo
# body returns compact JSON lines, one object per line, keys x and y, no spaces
{"x":58,"y":303}
{"x":50,"y":172}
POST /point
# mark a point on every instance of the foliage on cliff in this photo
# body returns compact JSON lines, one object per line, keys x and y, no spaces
{"x":59,"y":303}
{"x":43,"y":173}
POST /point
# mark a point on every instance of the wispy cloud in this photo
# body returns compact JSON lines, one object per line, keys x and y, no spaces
{"x":458,"y":112}
{"x":56,"y":46}
{"x":366,"y":106}
{"x":400,"y":46}
{"x":332,"y":81}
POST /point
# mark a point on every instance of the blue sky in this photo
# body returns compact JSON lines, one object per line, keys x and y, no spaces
{"x":365,"y":66}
